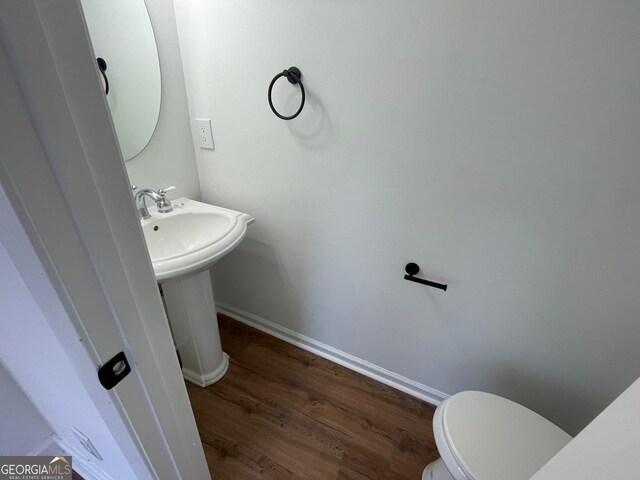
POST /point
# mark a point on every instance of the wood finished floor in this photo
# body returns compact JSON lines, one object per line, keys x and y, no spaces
{"x":284,"y":413}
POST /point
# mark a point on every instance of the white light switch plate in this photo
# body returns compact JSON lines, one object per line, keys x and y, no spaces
{"x":203,"y":131}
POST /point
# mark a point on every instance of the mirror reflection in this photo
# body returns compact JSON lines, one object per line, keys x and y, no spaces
{"x":127,"y":58}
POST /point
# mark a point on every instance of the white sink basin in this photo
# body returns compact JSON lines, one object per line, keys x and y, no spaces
{"x":192,"y":237}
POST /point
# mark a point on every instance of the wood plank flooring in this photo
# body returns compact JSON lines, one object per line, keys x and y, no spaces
{"x":284,"y":413}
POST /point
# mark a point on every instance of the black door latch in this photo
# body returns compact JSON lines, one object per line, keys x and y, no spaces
{"x":113,"y":371}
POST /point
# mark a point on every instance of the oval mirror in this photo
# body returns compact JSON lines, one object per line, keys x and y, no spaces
{"x":127,"y":58}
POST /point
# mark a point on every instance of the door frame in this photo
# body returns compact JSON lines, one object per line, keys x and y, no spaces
{"x":63,"y":173}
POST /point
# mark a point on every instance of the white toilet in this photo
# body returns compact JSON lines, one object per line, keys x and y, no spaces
{"x":481,"y":436}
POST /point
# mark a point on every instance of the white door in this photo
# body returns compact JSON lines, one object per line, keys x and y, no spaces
{"x":70,"y":229}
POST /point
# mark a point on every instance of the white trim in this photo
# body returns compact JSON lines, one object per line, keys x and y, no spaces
{"x":210,"y":378}
{"x":81,"y":463}
{"x":368,"y":369}
{"x":42,"y":446}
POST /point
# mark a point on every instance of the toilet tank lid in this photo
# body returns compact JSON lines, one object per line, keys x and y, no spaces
{"x":492,"y":438}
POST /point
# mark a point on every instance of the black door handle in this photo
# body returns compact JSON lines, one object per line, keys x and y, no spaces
{"x":113,"y":371}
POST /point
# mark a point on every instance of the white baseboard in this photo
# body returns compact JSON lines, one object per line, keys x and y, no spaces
{"x":368,"y":369}
{"x":81,"y":463}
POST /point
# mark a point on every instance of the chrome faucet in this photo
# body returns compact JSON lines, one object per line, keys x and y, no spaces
{"x":163,"y":204}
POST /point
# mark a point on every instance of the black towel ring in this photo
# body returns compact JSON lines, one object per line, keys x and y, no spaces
{"x":294,"y":76}
{"x":102,"y":66}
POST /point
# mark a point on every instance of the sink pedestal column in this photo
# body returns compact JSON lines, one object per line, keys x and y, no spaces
{"x":192,"y":314}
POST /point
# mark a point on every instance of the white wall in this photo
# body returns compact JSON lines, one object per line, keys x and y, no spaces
{"x":168,"y":159}
{"x":606,"y":448}
{"x":494,"y":143}
{"x":23,"y":428}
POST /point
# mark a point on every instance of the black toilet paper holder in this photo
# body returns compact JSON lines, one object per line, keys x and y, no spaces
{"x":412,"y":269}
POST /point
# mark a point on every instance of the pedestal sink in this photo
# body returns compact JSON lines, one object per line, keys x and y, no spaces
{"x":183,"y":245}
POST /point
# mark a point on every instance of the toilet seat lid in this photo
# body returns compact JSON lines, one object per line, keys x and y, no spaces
{"x":492,"y":438}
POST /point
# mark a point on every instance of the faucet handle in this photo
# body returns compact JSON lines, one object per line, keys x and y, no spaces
{"x":134,"y":188}
{"x":164,"y":205}
{"x":164,"y":191}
